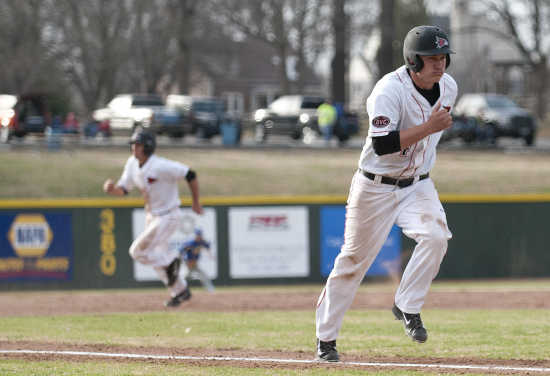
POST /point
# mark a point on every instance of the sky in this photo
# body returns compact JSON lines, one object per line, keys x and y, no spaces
{"x":439,"y":6}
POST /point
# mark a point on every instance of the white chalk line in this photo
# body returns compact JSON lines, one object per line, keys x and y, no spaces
{"x":275,"y":360}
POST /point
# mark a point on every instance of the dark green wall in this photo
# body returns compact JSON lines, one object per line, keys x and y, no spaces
{"x":490,"y":240}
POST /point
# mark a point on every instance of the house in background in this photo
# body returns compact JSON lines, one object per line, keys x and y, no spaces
{"x":245,"y":74}
{"x":484,"y":61}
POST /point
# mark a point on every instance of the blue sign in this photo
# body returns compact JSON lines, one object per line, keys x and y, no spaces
{"x":388,"y":260}
{"x":36,"y":246}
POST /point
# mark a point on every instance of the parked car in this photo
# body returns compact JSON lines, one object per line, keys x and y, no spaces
{"x":203,"y":115}
{"x":23,"y":114}
{"x":296,"y":116}
{"x":465,"y":128}
{"x":494,"y":116}
{"x":128,"y":112}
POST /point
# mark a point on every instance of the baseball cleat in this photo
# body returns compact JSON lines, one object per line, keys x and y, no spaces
{"x":173,"y":270}
{"x":176,"y":300}
{"x":326,"y":351}
{"x":413,"y":324}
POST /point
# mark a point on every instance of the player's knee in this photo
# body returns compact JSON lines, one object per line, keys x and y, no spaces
{"x":134,"y":251}
{"x":349,"y":266}
{"x":437,"y":240}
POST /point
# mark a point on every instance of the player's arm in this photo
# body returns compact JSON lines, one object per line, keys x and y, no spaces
{"x":439,"y":120}
{"x":394,"y":141}
{"x":109,"y":187}
{"x":193,"y":183}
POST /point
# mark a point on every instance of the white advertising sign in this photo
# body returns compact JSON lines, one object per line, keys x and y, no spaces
{"x":268,"y":242}
{"x":206,"y":222}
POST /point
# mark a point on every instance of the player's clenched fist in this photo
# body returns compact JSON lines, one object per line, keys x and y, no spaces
{"x":440,"y":118}
{"x":108,"y":186}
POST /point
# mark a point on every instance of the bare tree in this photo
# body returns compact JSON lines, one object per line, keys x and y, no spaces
{"x":527,"y":31}
{"x":340,"y":59}
{"x":23,"y":50}
{"x":289,"y":26}
{"x":184,"y":14}
{"x":386,"y":23}
{"x":91,"y":44}
{"x":311,"y":28}
{"x":152,"y":52}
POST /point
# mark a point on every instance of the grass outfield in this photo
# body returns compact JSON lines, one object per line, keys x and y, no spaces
{"x":14,"y":367}
{"x":509,"y":337}
{"x":480,"y":334}
{"x":233,"y":172}
{"x":483,"y":334}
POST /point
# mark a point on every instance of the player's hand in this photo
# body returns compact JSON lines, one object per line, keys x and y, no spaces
{"x":440,"y":119}
{"x":196,"y":207}
{"x":108,"y":186}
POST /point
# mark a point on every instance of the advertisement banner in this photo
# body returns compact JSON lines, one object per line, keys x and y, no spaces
{"x":191,"y":221}
{"x":268,"y":242}
{"x":388,"y":261}
{"x":36,"y":246}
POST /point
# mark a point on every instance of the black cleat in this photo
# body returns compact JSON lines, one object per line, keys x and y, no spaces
{"x":413,"y":324}
{"x":326,"y":351}
{"x":176,"y":300}
{"x":173,"y":270}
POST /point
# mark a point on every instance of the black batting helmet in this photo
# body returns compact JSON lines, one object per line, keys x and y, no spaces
{"x":425,"y":41}
{"x":146,"y":139}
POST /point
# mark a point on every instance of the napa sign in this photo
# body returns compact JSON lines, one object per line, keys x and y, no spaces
{"x":36,"y":246}
{"x":30,"y":235}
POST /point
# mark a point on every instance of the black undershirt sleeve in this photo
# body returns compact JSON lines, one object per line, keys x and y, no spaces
{"x":387,"y":144}
{"x":191,"y":175}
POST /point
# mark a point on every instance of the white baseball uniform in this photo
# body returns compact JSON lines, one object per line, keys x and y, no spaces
{"x":374,"y":207}
{"x":158,"y":180}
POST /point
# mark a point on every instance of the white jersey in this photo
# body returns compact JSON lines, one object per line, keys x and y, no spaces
{"x":395,"y":105}
{"x":157,"y":179}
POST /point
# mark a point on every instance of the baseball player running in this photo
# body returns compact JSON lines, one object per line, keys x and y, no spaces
{"x":157,"y":179}
{"x":408,"y":110}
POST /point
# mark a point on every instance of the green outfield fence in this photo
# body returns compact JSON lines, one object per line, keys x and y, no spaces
{"x":83,"y":243}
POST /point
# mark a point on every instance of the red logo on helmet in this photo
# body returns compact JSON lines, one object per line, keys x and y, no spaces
{"x":380,"y":121}
{"x":441,"y":42}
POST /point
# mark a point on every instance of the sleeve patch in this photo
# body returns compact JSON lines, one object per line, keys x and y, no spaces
{"x":380,"y":121}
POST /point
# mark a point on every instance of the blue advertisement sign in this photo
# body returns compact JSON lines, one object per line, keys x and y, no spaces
{"x":386,"y":263}
{"x":36,"y":246}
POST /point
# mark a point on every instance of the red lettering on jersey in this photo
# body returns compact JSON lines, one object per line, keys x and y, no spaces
{"x":151,"y":180}
{"x":380,"y":121}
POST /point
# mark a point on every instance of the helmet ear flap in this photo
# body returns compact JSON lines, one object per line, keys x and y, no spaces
{"x":415,"y":63}
{"x":419,"y":63}
{"x":448,"y":62}
{"x":149,"y":146}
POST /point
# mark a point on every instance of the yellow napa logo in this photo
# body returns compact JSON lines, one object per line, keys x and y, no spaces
{"x":30,"y":235}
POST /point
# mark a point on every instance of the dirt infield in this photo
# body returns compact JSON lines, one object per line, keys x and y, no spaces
{"x":75,"y":302}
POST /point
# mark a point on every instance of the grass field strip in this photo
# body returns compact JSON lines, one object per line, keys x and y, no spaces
{"x":274,"y":360}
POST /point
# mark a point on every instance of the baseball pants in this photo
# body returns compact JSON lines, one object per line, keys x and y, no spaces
{"x":372,"y":210}
{"x":151,"y":246}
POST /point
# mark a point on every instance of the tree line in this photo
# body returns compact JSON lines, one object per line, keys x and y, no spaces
{"x":85,"y":52}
